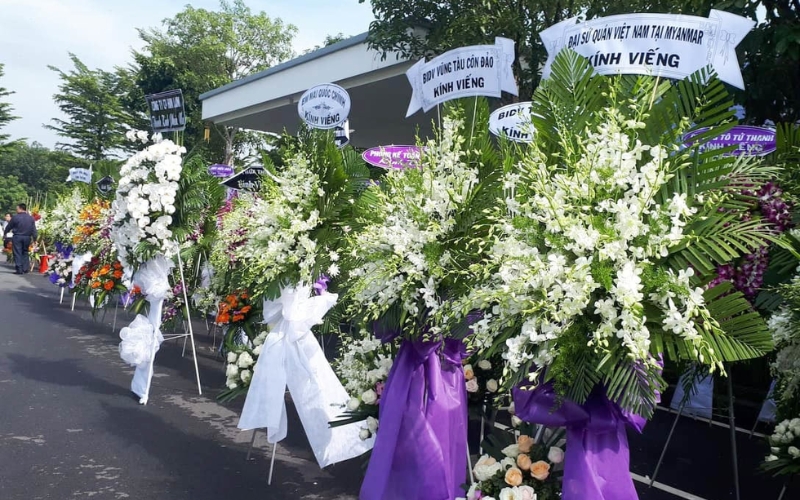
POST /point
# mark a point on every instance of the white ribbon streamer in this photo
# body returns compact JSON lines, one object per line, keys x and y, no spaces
{"x":153,"y":279}
{"x":292,"y":357}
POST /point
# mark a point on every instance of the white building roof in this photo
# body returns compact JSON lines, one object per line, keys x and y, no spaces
{"x":378,"y":88}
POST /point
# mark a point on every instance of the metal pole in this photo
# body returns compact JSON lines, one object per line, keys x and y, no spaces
{"x":252,"y":442}
{"x":116,"y":308}
{"x":61,"y":300}
{"x":189,"y":320}
{"x":732,"y":421}
{"x":272,"y":463}
{"x":73,"y":300}
{"x":664,"y":451}
{"x":783,"y":490}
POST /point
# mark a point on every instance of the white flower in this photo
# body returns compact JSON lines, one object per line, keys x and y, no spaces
{"x":232,"y":370}
{"x":484,"y":364}
{"x":555,"y":455}
{"x":486,"y":468}
{"x":511,"y":451}
{"x":372,"y":424}
{"x":794,"y":451}
{"x":369,"y":397}
{"x":472,"y":385}
{"x":491,"y":385}
{"x":509,"y":494}
{"x":516,"y":421}
{"x":364,"y":434}
{"x":353,"y":404}
{"x":245,"y":375}
{"x":245,"y":360}
{"x":770,"y":458}
{"x":333,"y":270}
{"x":232,"y":356}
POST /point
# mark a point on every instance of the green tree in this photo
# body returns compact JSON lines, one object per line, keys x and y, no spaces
{"x":199,"y":50}
{"x":329,"y":40}
{"x":12,"y":192}
{"x":38,"y":168}
{"x":95,"y":118}
{"x":5,"y":114}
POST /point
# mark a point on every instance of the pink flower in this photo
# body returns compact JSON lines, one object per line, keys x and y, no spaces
{"x":379,"y":389}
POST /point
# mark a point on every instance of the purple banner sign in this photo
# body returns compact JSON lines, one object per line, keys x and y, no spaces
{"x":220,"y":170}
{"x":393,"y":156}
{"x":749,"y":140}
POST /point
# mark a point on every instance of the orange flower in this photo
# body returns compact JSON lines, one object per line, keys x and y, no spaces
{"x":246,"y":309}
{"x":136,"y":289}
{"x":108,"y":285}
{"x":231,"y":300}
{"x":117,"y":274}
{"x":223,"y":318}
{"x":95,"y":284}
{"x":244,"y":296}
{"x":238,"y":317}
{"x":104,"y":270}
{"x":117,"y":265}
{"x":94,"y":275}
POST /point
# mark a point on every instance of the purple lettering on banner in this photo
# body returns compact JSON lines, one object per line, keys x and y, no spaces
{"x":393,"y":156}
{"x":749,"y":140}
{"x":220,"y":170}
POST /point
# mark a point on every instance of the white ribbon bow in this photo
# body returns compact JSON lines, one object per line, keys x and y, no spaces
{"x":78,"y":262}
{"x":292,"y":357}
{"x":153,"y":279}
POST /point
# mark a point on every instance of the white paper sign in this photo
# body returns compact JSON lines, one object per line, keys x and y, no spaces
{"x":325,"y":106}
{"x":80,"y":175}
{"x":468,"y":71}
{"x":513,"y":122}
{"x":666,"y":45}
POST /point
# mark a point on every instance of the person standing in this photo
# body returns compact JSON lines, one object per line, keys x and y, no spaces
{"x":6,"y":237}
{"x":24,"y":228}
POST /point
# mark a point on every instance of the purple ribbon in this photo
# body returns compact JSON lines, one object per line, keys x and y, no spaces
{"x":420,"y":450}
{"x":597,"y":463}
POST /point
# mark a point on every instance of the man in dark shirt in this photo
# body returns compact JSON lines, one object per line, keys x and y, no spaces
{"x":24,"y":228}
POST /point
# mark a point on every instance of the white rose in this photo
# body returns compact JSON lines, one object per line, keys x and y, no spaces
{"x":555,"y":455}
{"x":232,"y":385}
{"x":526,"y":492}
{"x":516,"y":421}
{"x":245,"y":360}
{"x":232,"y":370}
{"x":245,"y":376}
{"x":257,"y":350}
{"x":471,"y":492}
{"x":491,"y":385}
{"x":794,"y":451}
{"x":369,"y":397}
{"x":511,"y":451}
{"x":508,"y":463}
{"x":484,"y":364}
{"x":364,"y":434}
{"x":353,"y":404}
{"x":472,"y":385}
{"x":486,"y":472}
{"x":509,"y":494}
{"x":232,"y":356}
{"x":372,"y":424}
{"x":771,"y":458}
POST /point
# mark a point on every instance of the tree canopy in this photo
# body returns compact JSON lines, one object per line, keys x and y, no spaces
{"x":6,"y":115}
{"x":95,"y":118}
{"x":198,"y":50}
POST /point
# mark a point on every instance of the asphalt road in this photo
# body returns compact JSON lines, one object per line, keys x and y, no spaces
{"x":71,"y":429}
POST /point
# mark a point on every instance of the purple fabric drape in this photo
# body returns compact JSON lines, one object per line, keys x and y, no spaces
{"x":597,"y":463}
{"x":421,"y":447}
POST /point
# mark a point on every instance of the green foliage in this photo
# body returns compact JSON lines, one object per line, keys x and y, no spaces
{"x":95,"y":124}
{"x":38,"y":168}
{"x":329,"y":40}
{"x":5,"y":114}
{"x":198,"y":50}
{"x":12,"y":192}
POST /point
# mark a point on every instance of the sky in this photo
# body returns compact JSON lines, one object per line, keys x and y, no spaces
{"x":35,"y":34}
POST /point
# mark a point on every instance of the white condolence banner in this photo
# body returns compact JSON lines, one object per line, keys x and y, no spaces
{"x":464,"y":72}
{"x":80,"y":175}
{"x":667,"y":45}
